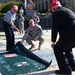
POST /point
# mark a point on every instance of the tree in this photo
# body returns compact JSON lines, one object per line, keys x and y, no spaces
{"x":68,"y":4}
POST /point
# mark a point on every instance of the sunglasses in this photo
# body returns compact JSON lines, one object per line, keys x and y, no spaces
{"x":14,"y":10}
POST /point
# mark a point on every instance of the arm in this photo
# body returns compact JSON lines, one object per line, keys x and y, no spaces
{"x":25,"y":35}
{"x":38,"y":19}
{"x":12,"y":24}
{"x":54,"y":31}
{"x":22,"y":18}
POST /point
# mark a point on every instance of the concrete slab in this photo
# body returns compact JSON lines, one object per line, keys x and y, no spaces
{"x":49,"y":72}
{"x":43,"y":73}
{"x":1,"y":44}
{"x":45,"y":53}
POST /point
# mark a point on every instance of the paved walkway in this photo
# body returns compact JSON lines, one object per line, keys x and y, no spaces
{"x":45,"y":53}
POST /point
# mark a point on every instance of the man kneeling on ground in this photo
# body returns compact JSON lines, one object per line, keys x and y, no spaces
{"x":33,"y":32}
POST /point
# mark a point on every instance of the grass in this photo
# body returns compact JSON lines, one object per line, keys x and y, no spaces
{"x":2,"y":34}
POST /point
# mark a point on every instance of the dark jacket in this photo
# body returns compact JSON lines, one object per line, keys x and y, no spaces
{"x":63,"y":23}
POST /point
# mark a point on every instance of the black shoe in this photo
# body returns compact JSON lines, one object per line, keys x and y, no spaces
{"x":32,"y":46}
{"x":63,"y":72}
{"x":73,"y":69}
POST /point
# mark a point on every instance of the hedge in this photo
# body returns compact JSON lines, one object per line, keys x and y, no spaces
{"x":4,"y":7}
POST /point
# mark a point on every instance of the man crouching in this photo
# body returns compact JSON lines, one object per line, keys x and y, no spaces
{"x":33,"y":32}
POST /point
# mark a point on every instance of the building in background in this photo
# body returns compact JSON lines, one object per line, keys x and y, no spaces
{"x":41,"y":5}
{"x":4,"y":1}
{"x":72,"y":3}
{"x":63,"y":2}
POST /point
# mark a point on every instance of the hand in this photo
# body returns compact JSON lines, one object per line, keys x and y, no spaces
{"x":52,"y":45}
{"x":17,"y":29}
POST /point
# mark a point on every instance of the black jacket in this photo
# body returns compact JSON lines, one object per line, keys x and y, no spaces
{"x":64,"y":23}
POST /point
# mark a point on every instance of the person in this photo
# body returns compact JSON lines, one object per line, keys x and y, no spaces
{"x":21,"y":11}
{"x":21,"y":23}
{"x":8,"y":25}
{"x":64,"y":26}
{"x":33,"y":32}
{"x":30,"y":5}
{"x":35,"y":18}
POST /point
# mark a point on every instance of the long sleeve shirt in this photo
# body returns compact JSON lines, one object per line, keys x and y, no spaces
{"x":34,"y":32}
{"x":64,"y":24}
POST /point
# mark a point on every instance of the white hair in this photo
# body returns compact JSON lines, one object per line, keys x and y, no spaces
{"x":31,"y":21}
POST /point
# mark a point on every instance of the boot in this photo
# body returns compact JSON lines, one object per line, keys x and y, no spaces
{"x":63,"y":72}
{"x":32,"y":46}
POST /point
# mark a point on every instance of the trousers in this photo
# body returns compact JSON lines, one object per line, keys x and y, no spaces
{"x":29,"y":40}
{"x":9,"y":33}
{"x":64,"y":55}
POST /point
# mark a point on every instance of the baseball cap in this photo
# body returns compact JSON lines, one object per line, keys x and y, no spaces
{"x":54,"y":3}
{"x":15,"y":7}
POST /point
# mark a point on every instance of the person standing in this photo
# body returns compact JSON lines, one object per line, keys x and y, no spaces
{"x":34,"y":32}
{"x":21,"y":23}
{"x":64,"y":24}
{"x":21,"y":11}
{"x":8,"y":25}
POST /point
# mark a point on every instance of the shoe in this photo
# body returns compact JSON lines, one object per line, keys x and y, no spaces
{"x":32,"y":46}
{"x":73,"y":69}
{"x":39,"y":47}
{"x":63,"y":72}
